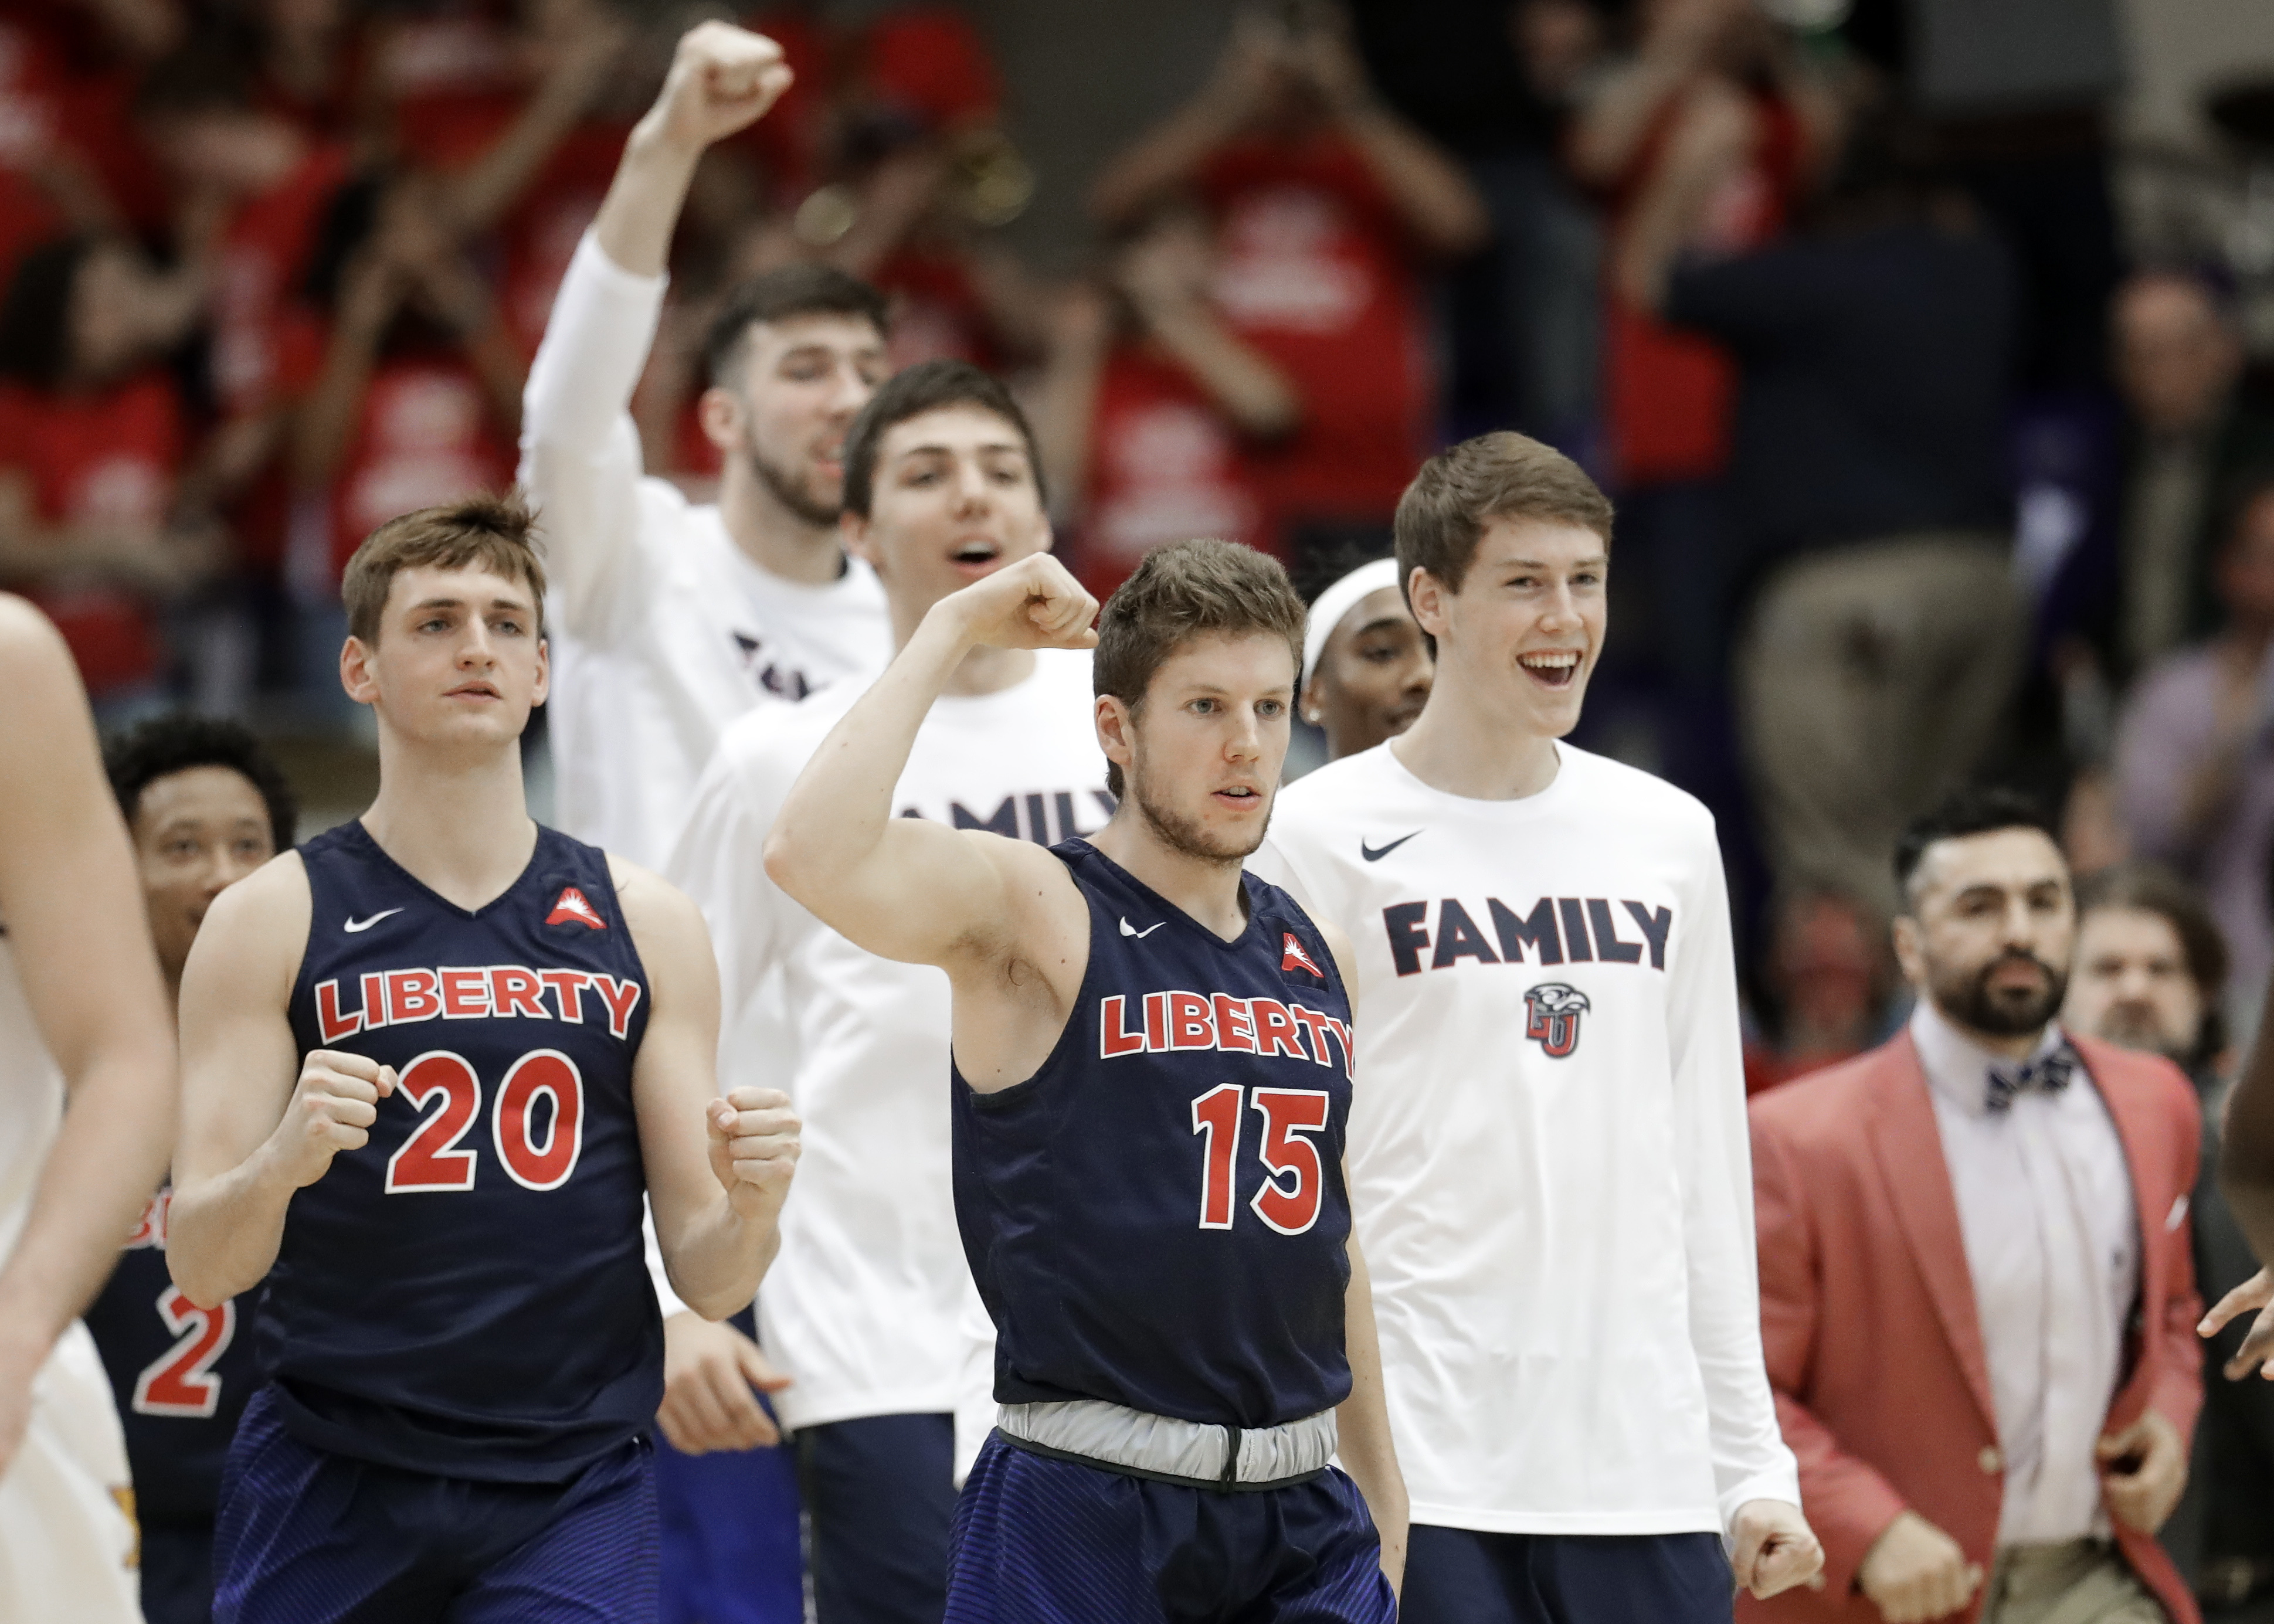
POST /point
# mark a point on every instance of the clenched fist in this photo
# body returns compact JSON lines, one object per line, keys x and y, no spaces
{"x":722,"y":78}
{"x":332,"y":1109}
{"x":753,"y":1147}
{"x":1033,"y":604}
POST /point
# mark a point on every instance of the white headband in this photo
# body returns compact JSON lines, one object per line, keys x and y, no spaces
{"x":1327,"y":610}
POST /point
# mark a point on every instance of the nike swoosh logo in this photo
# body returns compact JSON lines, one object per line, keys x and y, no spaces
{"x":1128,"y":930}
{"x":354,"y":925}
{"x":1375,"y":854}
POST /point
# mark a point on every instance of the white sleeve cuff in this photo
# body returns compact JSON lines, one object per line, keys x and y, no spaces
{"x":1781,"y":1483}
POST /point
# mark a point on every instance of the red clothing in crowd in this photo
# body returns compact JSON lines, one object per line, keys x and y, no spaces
{"x":84,"y":93}
{"x":1164,"y":466}
{"x":1668,"y":393}
{"x":788,"y":141}
{"x":929,"y":64}
{"x":426,"y":437}
{"x":1314,"y":273}
{"x":107,"y":457}
{"x":264,"y":257}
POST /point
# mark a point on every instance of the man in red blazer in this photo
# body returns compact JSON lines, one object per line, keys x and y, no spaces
{"x":1976,"y":1296}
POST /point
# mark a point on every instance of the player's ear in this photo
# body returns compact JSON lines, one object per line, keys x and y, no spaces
{"x":355,"y":674}
{"x":544,"y":687}
{"x":1116,"y":731}
{"x":1429,"y":595}
{"x":719,"y":411}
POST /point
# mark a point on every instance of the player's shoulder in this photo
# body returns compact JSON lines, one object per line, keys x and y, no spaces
{"x":1607,"y":786}
{"x":1348,"y":790}
{"x":651,"y":905}
{"x":264,"y":918}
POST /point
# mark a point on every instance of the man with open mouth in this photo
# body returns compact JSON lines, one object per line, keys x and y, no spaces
{"x":1548,"y":1145}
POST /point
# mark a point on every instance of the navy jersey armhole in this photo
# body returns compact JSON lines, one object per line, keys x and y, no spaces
{"x":1069,"y":852}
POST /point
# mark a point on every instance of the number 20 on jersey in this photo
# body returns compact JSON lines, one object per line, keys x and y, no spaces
{"x":430,"y":1159}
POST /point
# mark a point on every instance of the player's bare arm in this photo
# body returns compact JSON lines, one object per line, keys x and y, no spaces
{"x":1369,"y":1454}
{"x":81,"y":942}
{"x":722,"y":80}
{"x":259,"y":1122}
{"x":718,"y":1169}
{"x":998,"y":915}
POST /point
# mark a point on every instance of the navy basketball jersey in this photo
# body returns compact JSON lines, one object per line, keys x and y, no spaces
{"x":181,"y":1375}
{"x":1156,"y":1217}
{"x":465,"y":1295}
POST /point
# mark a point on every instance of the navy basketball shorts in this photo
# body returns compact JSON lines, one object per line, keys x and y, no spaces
{"x":879,"y":1495}
{"x":306,"y":1537}
{"x":1040,"y":1540}
{"x":1457,"y":1575}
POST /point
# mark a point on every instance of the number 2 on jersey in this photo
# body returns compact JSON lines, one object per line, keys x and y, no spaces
{"x":180,"y":1381}
{"x":430,"y":1159}
{"x":1288,"y":1199}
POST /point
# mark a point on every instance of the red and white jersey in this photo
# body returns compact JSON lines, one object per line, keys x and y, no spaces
{"x":663,"y":631}
{"x":1549,"y":1154}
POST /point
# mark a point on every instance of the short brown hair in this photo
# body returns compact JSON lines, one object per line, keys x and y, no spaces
{"x":496,"y":533}
{"x":1183,"y":591}
{"x":927,"y":386}
{"x":1443,"y":512}
{"x":2150,"y":888}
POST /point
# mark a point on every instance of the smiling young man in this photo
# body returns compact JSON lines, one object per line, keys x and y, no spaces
{"x":1549,"y":1154}
{"x":864,"y":1308}
{"x":432,"y":1061}
{"x":1367,"y":669}
{"x":1149,"y":1077}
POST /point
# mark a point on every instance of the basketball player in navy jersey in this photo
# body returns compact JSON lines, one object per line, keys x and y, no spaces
{"x":1151,"y":1082}
{"x":205,"y":805}
{"x":501,"y":1037}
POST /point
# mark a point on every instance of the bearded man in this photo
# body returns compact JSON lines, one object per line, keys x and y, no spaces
{"x":1976,"y":1294}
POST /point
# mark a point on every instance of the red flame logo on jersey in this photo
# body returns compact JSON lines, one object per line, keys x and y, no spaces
{"x":1551,"y":1017}
{"x":572,"y":905}
{"x":1293,"y":958}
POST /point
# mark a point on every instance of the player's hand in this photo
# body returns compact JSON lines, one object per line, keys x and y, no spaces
{"x":1776,"y":1548}
{"x":1033,"y":604}
{"x":1914,"y":1572}
{"x":2257,"y":1350}
{"x":754,"y":1149}
{"x":2144,"y":1471}
{"x":709,"y":1370}
{"x":333,"y":1107}
{"x":722,"y":78}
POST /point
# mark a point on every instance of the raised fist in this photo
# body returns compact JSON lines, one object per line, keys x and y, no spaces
{"x":1033,"y":604}
{"x":722,"y":78}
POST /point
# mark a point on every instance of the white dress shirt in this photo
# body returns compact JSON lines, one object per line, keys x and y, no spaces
{"x":2052,"y":1246}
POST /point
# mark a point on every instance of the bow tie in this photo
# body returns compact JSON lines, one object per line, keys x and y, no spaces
{"x":2048,"y":1073}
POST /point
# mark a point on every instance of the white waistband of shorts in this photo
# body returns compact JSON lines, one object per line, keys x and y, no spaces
{"x":1113,"y":1435}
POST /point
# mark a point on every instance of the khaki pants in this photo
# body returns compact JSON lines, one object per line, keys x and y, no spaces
{"x":2083,"y":1582}
{"x":1870,"y":681}
{"x":66,"y":1542}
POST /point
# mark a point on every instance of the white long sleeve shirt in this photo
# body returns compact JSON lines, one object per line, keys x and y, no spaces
{"x":2052,"y":1246}
{"x":663,"y":631}
{"x":1549,"y":1164}
{"x":864,"y":1304}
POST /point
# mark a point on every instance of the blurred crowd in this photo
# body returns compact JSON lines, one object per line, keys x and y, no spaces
{"x":1920,"y":479}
